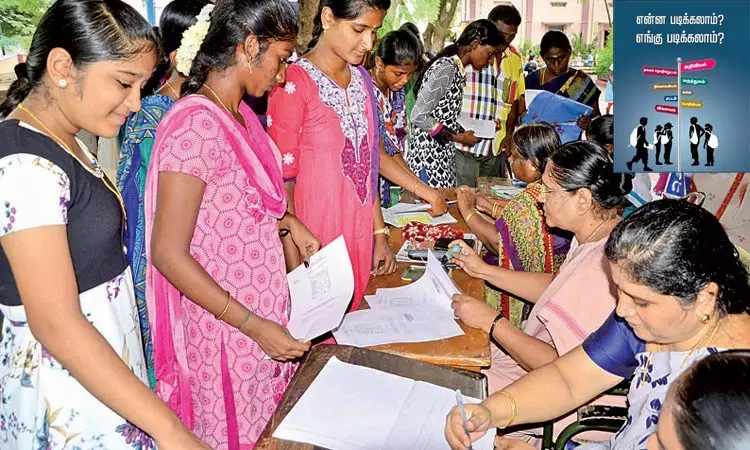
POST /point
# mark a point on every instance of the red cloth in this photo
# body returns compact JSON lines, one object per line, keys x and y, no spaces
{"x":420,"y":232}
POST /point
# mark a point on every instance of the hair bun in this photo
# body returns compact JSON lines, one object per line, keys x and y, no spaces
{"x":22,"y":71}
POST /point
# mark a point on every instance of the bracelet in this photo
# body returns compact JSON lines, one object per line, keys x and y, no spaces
{"x":414,"y":189}
{"x":244,"y":322}
{"x":384,"y":231}
{"x":226,"y":308}
{"x":494,"y":322}
{"x":284,"y":232}
{"x":468,"y":218}
{"x":513,"y":408}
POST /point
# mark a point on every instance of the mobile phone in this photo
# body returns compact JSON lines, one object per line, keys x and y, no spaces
{"x":412,"y":273}
{"x":443,"y":243}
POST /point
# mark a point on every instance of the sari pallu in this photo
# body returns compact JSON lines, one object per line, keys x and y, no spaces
{"x":526,"y":245}
{"x":575,"y":85}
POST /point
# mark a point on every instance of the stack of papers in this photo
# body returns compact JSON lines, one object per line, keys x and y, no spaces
{"x":401,"y":214}
{"x":321,"y":292}
{"x":418,"y":312}
{"x":506,"y":192}
{"x":392,"y":413}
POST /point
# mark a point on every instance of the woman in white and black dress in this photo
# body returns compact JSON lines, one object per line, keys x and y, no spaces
{"x":440,"y":90}
{"x":666,"y":139}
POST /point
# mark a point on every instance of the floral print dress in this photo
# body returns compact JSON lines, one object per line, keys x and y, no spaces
{"x":42,"y":406}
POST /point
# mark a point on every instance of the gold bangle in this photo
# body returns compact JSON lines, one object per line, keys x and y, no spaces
{"x":381,"y":231}
{"x":468,"y":218}
{"x":495,"y":205}
{"x":513,"y":408}
{"x":226,"y":308}
{"x":414,"y":189}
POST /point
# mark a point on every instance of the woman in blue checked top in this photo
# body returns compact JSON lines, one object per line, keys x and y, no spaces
{"x":683,"y":295}
{"x":440,"y":90}
{"x":394,"y":62}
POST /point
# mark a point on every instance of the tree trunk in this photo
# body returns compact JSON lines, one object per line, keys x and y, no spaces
{"x":609,"y":14}
{"x":307,"y":9}
{"x":438,"y":30}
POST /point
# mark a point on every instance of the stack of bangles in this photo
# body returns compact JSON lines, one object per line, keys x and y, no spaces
{"x":513,"y":409}
{"x":226,"y":308}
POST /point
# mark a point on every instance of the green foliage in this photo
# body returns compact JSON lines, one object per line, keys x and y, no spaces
{"x":18,"y":19}
{"x":580,"y":47}
{"x":605,"y":56}
{"x":415,"y":11}
{"x":527,"y":45}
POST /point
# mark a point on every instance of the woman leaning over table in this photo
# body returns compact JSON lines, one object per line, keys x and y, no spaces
{"x":519,"y":236}
{"x":215,"y":200}
{"x":325,"y":122}
{"x":397,"y":57}
{"x":138,"y":135}
{"x":581,"y":194}
{"x":440,"y":91}
{"x":72,"y":371}
{"x":683,"y":294}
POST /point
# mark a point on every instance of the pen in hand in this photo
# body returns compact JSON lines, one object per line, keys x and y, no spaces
{"x":462,"y":411}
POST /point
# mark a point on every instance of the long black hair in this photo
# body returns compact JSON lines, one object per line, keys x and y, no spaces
{"x":676,"y":248}
{"x":343,"y":10}
{"x":536,"y":142}
{"x":90,"y":31}
{"x":398,"y":48}
{"x":583,"y":164}
{"x":178,"y":16}
{"x":711,"y":401}
{"x":232,"y":21}
{"x":481,"y":30}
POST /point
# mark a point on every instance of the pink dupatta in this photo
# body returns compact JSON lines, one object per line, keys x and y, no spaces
{"x":261,"y":161}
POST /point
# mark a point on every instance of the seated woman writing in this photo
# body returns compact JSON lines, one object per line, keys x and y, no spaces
{"x":683,"y":295}
{"x":581,"y":194}
{"x":519,"y":236}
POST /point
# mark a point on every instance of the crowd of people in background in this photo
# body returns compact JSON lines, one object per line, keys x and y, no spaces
{"x":151,"y":310}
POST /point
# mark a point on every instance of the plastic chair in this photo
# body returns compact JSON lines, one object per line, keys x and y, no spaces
{"x":590,"y":418}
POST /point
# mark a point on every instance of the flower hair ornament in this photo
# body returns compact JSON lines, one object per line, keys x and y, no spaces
{"x":192,"y":39}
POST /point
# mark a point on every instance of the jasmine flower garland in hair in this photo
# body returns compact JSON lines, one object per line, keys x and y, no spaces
{"x":192,"y":39}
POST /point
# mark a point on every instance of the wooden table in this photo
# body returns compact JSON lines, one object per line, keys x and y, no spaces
{"x":470,"y":351}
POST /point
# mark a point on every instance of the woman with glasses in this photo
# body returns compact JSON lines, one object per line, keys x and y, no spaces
{"x":581,"y":194}
{"x":559,"y":78}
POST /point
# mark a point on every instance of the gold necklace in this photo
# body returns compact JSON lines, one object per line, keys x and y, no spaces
{"x":174,"y":91}
{"x":700,"y":344}
{"x":107,"y":182}
{"x":218,"y":98}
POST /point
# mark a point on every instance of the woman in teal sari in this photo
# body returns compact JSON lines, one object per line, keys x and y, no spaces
{"x":561,"y":79}
{"x":137,"y":137}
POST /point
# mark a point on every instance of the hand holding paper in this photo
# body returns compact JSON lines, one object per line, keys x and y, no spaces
{"x":321,"y":292}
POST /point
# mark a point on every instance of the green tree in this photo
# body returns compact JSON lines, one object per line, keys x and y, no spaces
{"x":605,"y":56}
{"x":18,"y":19}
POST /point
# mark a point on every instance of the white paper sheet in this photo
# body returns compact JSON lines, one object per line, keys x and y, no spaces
{"x":484,"y":129}
{"x":321,"y":292}
{"x":370,"y":327}
{"x":392,"y":413}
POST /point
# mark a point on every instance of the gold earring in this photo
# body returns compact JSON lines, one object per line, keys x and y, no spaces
{"x":325,"y":28}
{"x":705,"y":318}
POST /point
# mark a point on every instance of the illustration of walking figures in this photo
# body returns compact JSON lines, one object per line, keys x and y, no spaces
{"x":666,"y":139}
{"x":638,"y":140}
{"x":657,"y":143}
{"x":696,"y":133}
{"x":710,"y":144}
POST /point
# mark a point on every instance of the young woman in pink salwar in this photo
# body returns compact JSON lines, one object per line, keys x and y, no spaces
{"x":216,"y":217}
{"x":324,"y":120}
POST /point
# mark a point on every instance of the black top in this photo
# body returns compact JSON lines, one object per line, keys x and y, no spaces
{"x":94,"y":217}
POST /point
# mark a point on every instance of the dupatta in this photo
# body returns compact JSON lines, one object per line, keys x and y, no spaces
{"x":261,"y":161}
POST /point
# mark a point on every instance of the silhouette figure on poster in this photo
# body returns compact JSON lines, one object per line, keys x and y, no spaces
{"x":641,"y":146}
{"x":666,"y":139}
{"x":710,"y":144}
{"x":696,"y":133}
{"x":657,"y":143}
